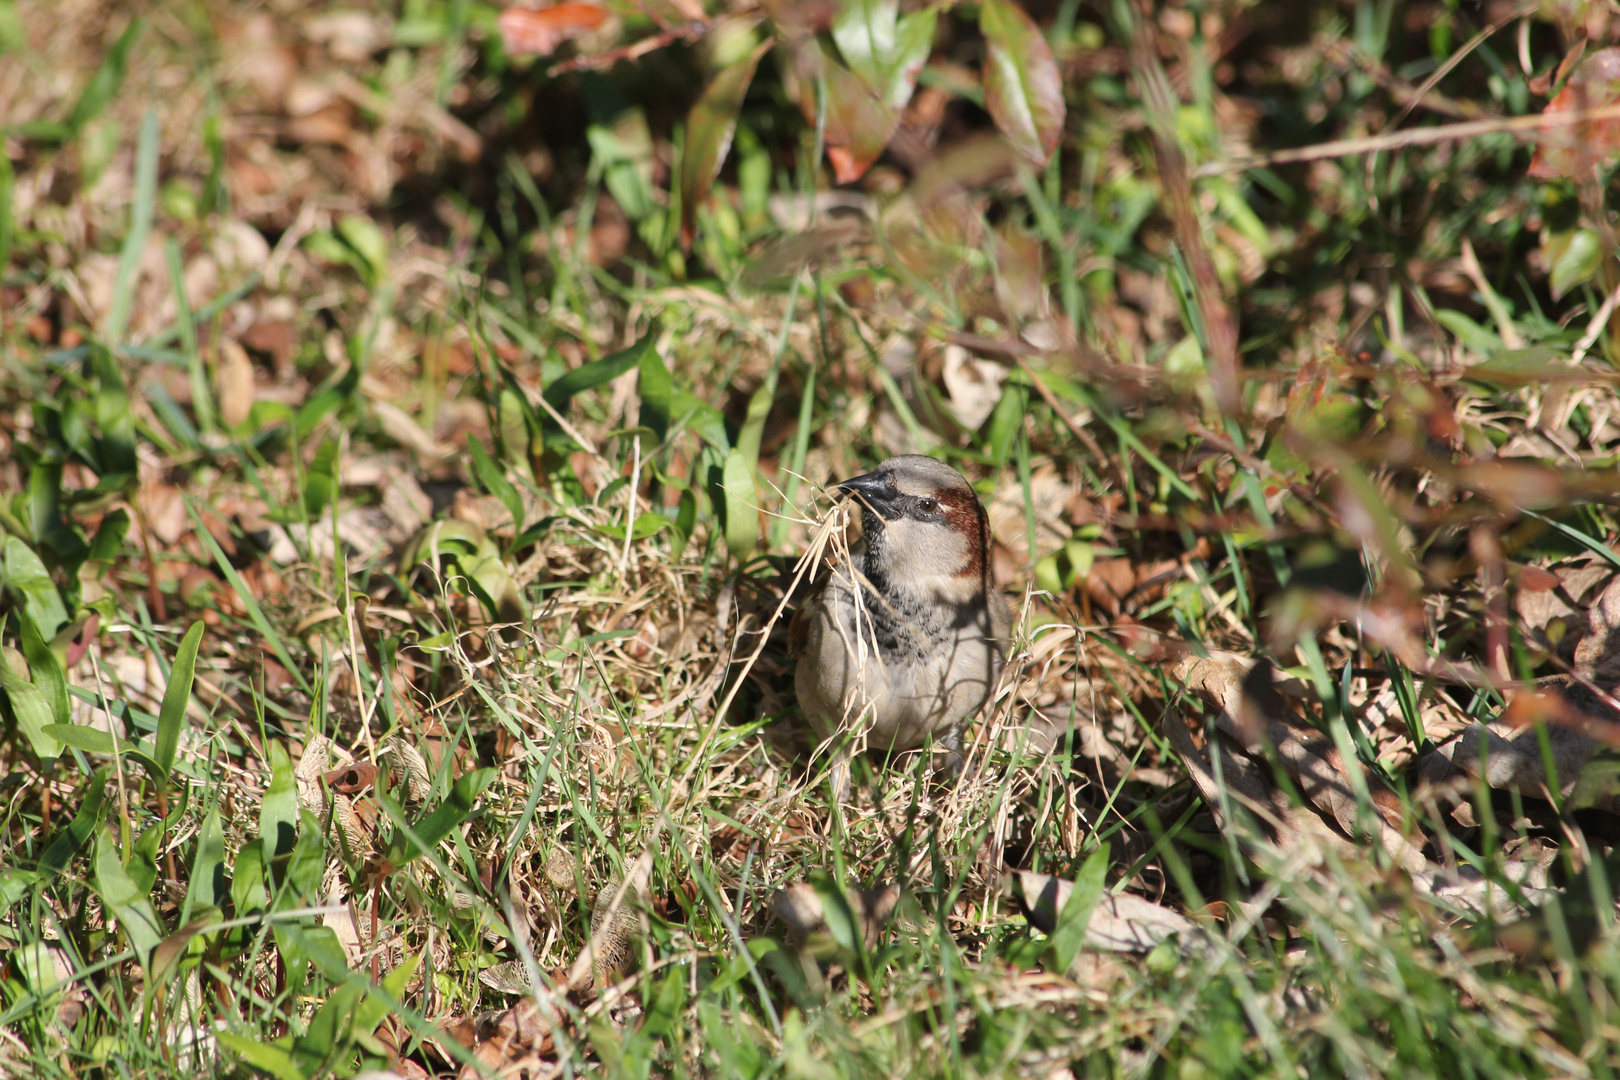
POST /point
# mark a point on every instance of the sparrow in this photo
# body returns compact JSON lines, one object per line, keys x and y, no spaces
{"x":903,"y":641}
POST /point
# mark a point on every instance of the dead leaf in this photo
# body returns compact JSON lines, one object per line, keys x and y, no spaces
{"x":1122,"y":922}
{"x":508,"y":1035}
{"x":973,"y":384}
{"x":234,"y":378}
{"x":799,"y":907}
{"x":1573,"y":149}
{"x":540,"y":31}
{"x":1254,"y":715}
{"x":1549,"y":740}
{"x":274,"y":338}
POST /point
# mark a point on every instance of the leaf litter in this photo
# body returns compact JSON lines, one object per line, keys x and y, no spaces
{"x":647,"y":804}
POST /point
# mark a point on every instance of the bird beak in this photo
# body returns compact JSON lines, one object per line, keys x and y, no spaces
{"x":875,"y":489}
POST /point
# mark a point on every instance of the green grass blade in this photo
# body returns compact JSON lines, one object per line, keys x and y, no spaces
{"x":140,"y":227}
{"x":176,"y":696}
{"x":104,"y":85}
{"x":243,"y":593}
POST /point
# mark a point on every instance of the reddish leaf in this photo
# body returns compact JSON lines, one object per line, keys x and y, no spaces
{"x":1569,"y":149}
{"x":859,"y":125}
{"x":1535,"y":579}
{"x":539,"y":31}
{"x":709,"y":129}
{"x":1022,"y":87}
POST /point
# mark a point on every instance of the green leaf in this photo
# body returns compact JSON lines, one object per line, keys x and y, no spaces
{"x":1023,"y":89}
{"x":408,"y":843}
{"x":842,"y":922}
{"x":265,"y":1057}
{"x":1070,"y":932}
{"x":109,"y":539}
{"x":752,"y":431}
{"x":8,"y":179}
{"x":38,"y":968}
{"x":647,"y":523}
{"x":865,"y":33}
{"x":105,"y":83}
{"x":329,"y":247}
{"x":515,"y":424}
{"x":742,"y":499}
{"x":914,"y":40}
{"x":128,"y":903}
{"x":248,"y":879}
{"x":90,"y":740}
{"x":495,"y":482}
{"x":685,"y":522}
{"x":368,"y":241}
{"x":597,"y":372}
{"x":490,"y":579}
{"x":45,"y":479}
{"x":44,"y":668}
{"x":207,"y":886}
{"x":176,"y":696}
{"x":656,"y":388}
{"x":379,"y":1000}
{"x":321,"y":479}
{"x":85,"y":821}
{"x":140,"y":861}
{"x":299,"y":945}
{"x":623,"y":150}
{"x":702,"y":418}
{"x":885,"y":51}
{"x":709,"y":128}
{"x":1577,"y":264}
{"x":14,"y":885}
{"x":327,"y":401}
{"x":278,"y":814}
{"x":26,"y":576}
{"x":30,"y":705}
{"x":332,"y":1028}
{"x":95,"y":741}
{"x":302,"y":881}
{"x":115,"y":450}
{"x":1470,"y":333}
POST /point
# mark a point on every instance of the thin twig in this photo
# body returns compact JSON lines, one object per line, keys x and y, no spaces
{"x":1456,"y":58}
{"x":1398,"y":140}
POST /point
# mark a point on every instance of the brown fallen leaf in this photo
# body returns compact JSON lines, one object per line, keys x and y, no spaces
{"x":1242,"y":787}
{"x":540,"y":31}
{"x":1570,"y":150}
{"x":800,"y":908}
{"x":234,"y":376}
{"x":1254,"y":715}
{"x":1574,"y":720}
{"x":1122,"y":922}
{"x":506,"y":1037}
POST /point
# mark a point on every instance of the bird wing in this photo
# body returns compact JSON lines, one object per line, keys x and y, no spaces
{"x":807,"y":602}
{"x":1001,"y":617}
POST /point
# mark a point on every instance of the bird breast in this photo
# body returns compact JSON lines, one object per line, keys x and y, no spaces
{"x":898,"y":669}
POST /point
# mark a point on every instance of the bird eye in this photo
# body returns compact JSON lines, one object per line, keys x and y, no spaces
{"x":927,"y":506}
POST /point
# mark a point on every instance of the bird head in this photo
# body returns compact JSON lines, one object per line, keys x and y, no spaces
{"x":924,"y":527}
